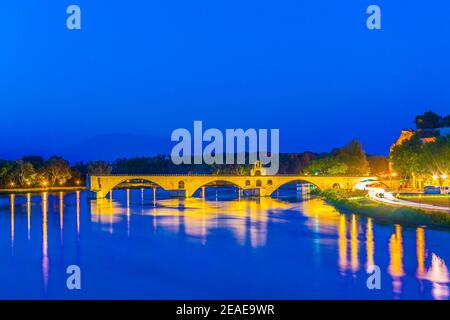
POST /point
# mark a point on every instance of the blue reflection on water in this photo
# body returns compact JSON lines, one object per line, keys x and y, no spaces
{"x":217,"y":247}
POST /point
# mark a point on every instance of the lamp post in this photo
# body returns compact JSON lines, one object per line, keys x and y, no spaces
{"x":435,"y":178}
{"x":393,"y":174}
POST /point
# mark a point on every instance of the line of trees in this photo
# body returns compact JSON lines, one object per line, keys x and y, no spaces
{"x":348,"y":160}
{"x":425,"y":161}
{"x":429,"y":162}
{"x":32,"y":171}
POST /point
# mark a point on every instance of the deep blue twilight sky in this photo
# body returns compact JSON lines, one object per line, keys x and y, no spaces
{"x":139,"y":69}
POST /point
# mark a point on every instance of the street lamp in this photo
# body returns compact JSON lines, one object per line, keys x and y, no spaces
{"x":393,"y":174}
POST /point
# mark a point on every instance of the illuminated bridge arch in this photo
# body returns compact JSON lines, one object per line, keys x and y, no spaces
{"x":116,"y":184}
{"x":285,"y":183}
{"x":193,"y":188}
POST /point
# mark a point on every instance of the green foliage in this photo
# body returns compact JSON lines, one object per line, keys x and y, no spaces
{"x":327,"y":165}
{"x":99,"y":168}
{"x":343,"y":194}
{"x":7,"y":172}
{"x":434,"y":157}
{"x":350,"y":159}
{"x":404,"y":157}
{"x":32,"y":171}
{"x":26,"y":174}
{"x":379,"y":165}
{"x":57,"y":170}
{"x":413,"y":158}
{"x":354,"y":157}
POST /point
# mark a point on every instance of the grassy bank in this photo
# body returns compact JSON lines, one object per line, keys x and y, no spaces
{"x":357,"y":202}
{"x":442,"y":200}
{"x":39,"y":190}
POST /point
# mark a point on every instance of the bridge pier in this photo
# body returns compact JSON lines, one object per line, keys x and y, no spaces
{"x":178,"y":193}
{"x":203,"y":195}
{"x":96,"y":195}
{"x":256,"y":192}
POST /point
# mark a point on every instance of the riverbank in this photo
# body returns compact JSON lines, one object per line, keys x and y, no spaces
{"x":433,"y":199}
{"x":40,"y":190}
{"x":357,"y":202}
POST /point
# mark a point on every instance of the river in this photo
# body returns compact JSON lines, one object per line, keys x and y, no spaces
{"x":220,"y":247}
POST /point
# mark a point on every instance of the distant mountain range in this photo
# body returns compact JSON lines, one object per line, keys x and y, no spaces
{"x":110,"y":147}
{"x":107,"y":147}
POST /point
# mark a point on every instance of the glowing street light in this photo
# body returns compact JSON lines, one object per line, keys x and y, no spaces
{"x":444,"y":176}
{"x":435,"y":177}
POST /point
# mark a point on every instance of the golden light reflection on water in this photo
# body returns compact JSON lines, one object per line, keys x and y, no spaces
{"x":437,"y":274}
{"x":197,"y":216}
{"x":45,"y":262}
{"x":439,"y":277}
{"x":78,"y":213}
{"x":370,"y":245}
{"x":343,"y":260}
{"x":395,"y":268}
{"x":354,"y":245}
{"x":420,"y":251}
{"x":128,"y":212}
{"x":248,"y":221}
{"x":325,"y":218}
{"x":29,"y":215}
{"x":61,"y":215}
{"x":12,"y":205}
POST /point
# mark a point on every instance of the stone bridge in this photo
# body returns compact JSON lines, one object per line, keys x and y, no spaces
{"x":186,"y":185}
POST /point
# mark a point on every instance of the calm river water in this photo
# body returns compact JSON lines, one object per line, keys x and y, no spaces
{"x":217,"y":248}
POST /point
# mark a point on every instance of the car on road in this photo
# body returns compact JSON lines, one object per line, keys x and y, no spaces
{"x":434,"y":190}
